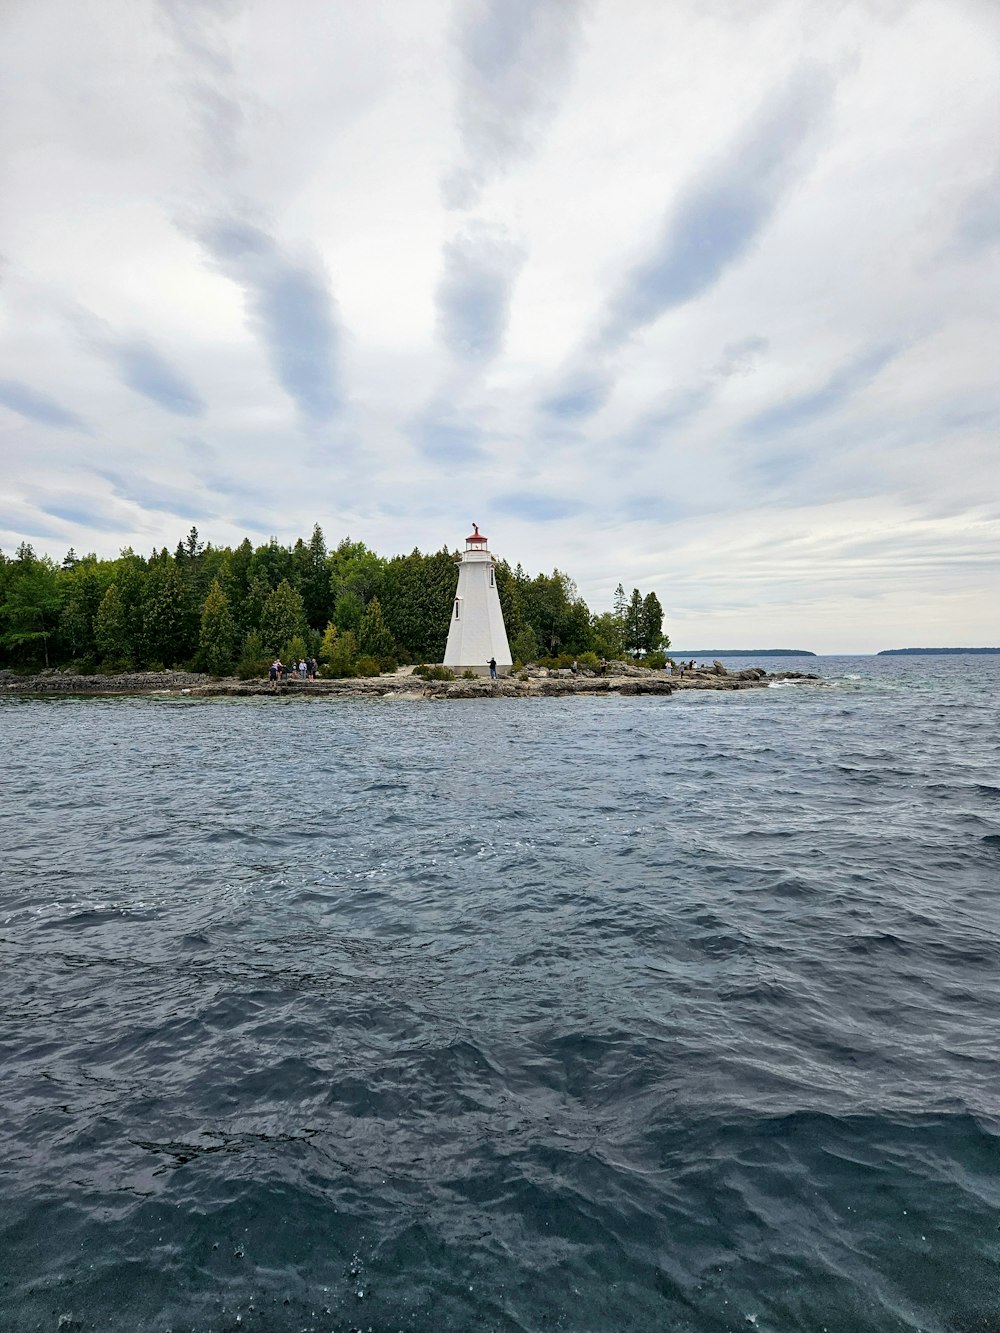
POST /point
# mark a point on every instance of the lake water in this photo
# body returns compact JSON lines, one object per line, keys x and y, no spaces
{"x":580,"y":1014}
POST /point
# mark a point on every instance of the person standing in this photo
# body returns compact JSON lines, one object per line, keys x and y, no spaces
{"x":493,"y":668}
{"x":276,"y":668}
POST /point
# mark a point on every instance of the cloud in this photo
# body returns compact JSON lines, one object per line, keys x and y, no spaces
{"x":444,"y":437}
{"x":514,"y":60}
{"x":150,"y":495}
{"x":804,"y":408}
{"x":717,"y":220}
{"x":144,"y":370}
{"x":37,"y":406}
{"x":474,"y":294}
{"x":581,"y":394}
{"x":535,"y":508}
{"x":978,"y":225}
{"x":290,"y":307}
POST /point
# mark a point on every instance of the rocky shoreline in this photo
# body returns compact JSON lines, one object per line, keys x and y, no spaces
{"x":623,"y":678}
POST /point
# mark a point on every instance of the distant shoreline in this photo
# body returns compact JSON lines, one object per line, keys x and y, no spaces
{"x":932,"y":652}
{"x":686,"y":653}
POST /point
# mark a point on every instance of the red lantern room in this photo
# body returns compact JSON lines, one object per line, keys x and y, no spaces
{"x":477,"y":542}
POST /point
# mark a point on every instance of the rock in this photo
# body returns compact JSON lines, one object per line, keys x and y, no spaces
{"x":719,"y":669}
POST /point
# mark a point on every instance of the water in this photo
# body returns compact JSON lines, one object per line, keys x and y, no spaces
{"x":582,"y":1014}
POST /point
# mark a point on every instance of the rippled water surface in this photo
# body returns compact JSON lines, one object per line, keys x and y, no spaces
{"x":585,"y":1014}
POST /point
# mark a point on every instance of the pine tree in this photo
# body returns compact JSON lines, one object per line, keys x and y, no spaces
{"x":283,"y":617}
{"x":217,"y":640}
{"x":111,"y":631}
{"x":375,"y":638}
{"x":634,"y":623}
{"x":652,"y":622}
{"x":165,"y":628}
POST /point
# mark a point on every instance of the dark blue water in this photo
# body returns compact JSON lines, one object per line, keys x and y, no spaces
{"x":582,"y":1014}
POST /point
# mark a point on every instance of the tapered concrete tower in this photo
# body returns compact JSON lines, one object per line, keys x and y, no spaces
{"x":477,"y":630}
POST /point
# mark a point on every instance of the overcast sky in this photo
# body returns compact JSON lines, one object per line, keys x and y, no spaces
{"x":696,"y":295}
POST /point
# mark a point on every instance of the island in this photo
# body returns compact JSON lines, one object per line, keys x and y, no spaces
{"x":741,"y":652}
{"x":918,"y":652}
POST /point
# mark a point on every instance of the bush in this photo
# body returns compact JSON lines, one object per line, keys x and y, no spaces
{"x":469,"y":674}
{"x":328,"y":672}
{"x":589,"y":661}
{"x":85,"y":666}
{"x":367,"y":666}
{"x":656,"y":661}
{"x":434,"y":672}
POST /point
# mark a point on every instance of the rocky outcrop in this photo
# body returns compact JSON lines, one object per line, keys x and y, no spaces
{"x":624,"y":678}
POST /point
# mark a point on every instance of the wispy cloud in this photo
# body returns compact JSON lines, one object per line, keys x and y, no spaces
{"x":721,"y":215}
{"x":804,"y":408}
{"x":156,"y":496}
{"x":443,"y":436}
{"x":514,"y":59}
{"x":146,"y":371}
{"x":290,"y":307}
{"x":474,"y":294}
{"x":37,"y":406}
{"x":683,"y":405}
{"x":534,"y":507}
{"x":978,"y":225}
{"x":581,"y":394}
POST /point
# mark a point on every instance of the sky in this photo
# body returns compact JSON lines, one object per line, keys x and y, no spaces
{"x":700,"y":297}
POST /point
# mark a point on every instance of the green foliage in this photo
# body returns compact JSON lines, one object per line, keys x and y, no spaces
{"x":367,"y":666}
{"x":217,"y":641}
{"x":524,"y":645}
{"x":165,"y":629}
{"x":434,"y":672}
{"x":341,"y":656}
{"x":114,"y":643}
{"x":589,"y":661}
{"x":656,"y":661}
{"x":295,"y":652}
{"x":30,"y":607}
{"x":375,"y":639}
{"x":469,"y":674}
{"x":283,"y":617}
{"x":254,"y":659}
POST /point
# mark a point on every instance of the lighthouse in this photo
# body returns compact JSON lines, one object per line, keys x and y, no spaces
{"x":477,"y":630}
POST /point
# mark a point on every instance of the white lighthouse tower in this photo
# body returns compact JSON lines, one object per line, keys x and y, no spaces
{"x":477,"y":630}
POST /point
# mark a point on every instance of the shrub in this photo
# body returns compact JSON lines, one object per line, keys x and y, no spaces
{"x":469,"y":674}
{"x":85,"y":666}
{"x":367,"y":666}
{"x":434,"y":672}
{"x":656,"y":661}
{"x":590,"y":661}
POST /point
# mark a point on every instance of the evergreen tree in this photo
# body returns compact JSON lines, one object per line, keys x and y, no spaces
{"x":111,"y":634}
{"x":375,"y":638}
{"x":165,"y":627}
{"x":652,"y":623}
{"x":283,"y":617}
{"x":217,"y":640}
{"x":30,"y":610}
{"x":634,"y":624}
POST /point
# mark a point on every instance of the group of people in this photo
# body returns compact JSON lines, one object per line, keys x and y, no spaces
{"x":307,"y":669}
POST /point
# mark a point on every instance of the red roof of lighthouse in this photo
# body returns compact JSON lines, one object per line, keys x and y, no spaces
{"x":477,"y":536}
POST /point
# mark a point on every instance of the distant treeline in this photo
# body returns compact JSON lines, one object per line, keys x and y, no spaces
{"x":224,"y":609}
{"x":905,"y":652}
{"x":742,"y":652}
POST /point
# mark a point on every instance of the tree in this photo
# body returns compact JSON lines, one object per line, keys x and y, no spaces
{"x":634,"y":623}
{"x":30,"y":610}
{"x":524,"y":646}
{"x":111,"y":630}
{"x":375,"y":639}
{"x":341,"y":652}
{"x":165,"y":629}
{"x":652,"y":623}
{"x":217,"y":641}
{"x":283,"y":617}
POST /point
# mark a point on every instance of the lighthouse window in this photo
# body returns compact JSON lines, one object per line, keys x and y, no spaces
{"x":491,"y":576}
{"x":457,"y":604}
